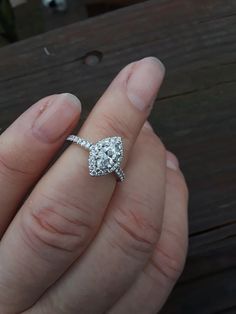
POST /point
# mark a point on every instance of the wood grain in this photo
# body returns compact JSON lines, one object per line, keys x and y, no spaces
{"x":195,"y":114}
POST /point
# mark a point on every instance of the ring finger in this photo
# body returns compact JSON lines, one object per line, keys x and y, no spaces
{"x":125,"y":241}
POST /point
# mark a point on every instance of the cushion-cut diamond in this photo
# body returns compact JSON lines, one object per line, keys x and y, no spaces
{"x":105,"y":156}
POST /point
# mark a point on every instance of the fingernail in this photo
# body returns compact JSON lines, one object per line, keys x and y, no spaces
{"x":144,"y":82}
{"x":56,"y":117}
{"x":172,"y":161}
{"x":147,"y":125}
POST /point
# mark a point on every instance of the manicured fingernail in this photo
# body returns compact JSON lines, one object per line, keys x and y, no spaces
{"x":56,"y":117}
{"x":144,"y":82}
{"x":147,"y":125}
{"x":172,"y":161}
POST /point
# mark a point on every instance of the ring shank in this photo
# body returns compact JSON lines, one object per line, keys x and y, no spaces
{"x":120,"y":174}
{"x":80,"y":141}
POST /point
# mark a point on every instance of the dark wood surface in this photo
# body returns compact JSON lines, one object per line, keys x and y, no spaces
{"x":195,"y":114}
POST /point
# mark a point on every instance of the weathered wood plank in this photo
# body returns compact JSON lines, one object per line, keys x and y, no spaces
{"x":195,"y":114}
{"x":200,"y":295}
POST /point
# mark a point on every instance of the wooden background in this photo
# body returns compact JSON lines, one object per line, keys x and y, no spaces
{"x":195,"y":114}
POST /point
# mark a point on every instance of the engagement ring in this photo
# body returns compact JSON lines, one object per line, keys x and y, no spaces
{"x":105,"y":156}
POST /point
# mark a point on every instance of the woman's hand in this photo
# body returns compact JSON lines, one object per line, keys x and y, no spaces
{"x":81,"y":244}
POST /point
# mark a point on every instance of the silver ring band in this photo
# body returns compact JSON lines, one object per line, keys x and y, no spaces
{"x":105,"y":156}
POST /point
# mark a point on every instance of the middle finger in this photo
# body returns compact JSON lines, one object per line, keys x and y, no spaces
{"x":64,"y":211}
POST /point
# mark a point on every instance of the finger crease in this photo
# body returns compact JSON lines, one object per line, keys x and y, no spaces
{"x":13,"y":169}
{"x":132,"y":233}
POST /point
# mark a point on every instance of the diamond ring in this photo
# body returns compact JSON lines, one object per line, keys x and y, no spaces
{"x":105,"y":156}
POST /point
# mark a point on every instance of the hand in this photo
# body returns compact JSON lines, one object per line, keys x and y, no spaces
{"x":81,"y":244}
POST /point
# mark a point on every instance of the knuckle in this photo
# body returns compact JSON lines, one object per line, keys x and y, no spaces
{"x":116,"y":126}
{"x":56,"y":225}
{"x":136,"y":233}
{"x":171,"y":269}
{"x":169,"y":260}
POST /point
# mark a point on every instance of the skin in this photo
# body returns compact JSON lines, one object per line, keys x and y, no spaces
{"x":72,"y":243}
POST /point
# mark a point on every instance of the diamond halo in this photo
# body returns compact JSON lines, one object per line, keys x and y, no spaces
{"x":105,"y":156}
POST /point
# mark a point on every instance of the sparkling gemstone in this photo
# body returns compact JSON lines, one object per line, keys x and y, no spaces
{"x":105,"y":156}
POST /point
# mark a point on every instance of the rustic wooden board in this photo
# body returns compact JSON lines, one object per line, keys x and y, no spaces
{"x":195,"y":114}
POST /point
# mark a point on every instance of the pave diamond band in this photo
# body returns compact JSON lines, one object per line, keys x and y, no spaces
{"x":105,"y":156}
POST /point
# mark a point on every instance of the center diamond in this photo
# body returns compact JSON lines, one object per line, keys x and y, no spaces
{"x":105,"y":156}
